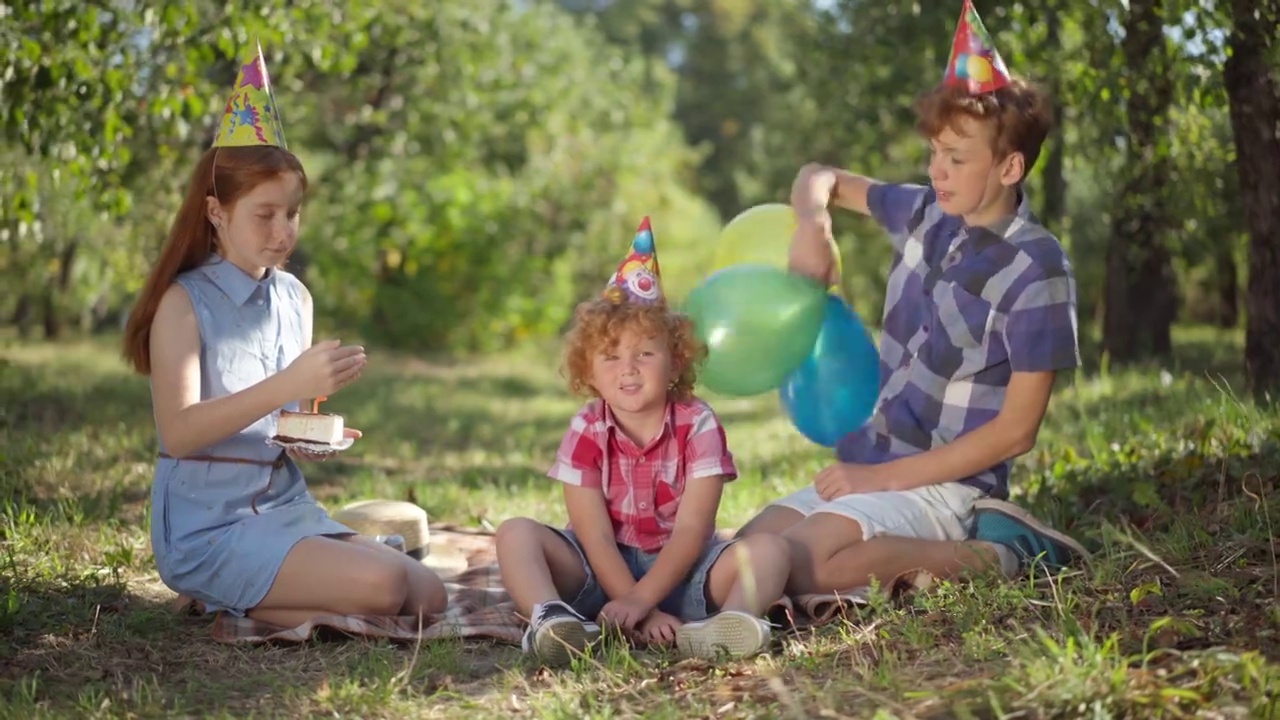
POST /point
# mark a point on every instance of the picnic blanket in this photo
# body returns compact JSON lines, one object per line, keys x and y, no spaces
{"x":480,"y":608}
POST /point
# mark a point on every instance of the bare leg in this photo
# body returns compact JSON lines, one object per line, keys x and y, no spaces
{"x":829,"y":555}
{"x":744,"y":581}
{"x":750,"y":574}
{"x":538,"y":569}
{"x":327,"y":576}
{"x":427,"y":595}
{"x":773,"y":520}
{"x":537,"y":565}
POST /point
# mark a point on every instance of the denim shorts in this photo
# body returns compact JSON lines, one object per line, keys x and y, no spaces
{"x":687,"y":601}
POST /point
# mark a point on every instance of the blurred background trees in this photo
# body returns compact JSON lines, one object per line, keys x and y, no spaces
{"x":479,"y":166}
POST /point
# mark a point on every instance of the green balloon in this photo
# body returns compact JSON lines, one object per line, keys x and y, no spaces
{"x":759,"y":324}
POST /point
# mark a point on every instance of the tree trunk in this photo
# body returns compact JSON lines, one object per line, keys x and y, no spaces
{"x":57,"y":289}
{"x":24,"y":315}
{"x":1055,"y":182}
{"x":1253,"y":92}
{"x":1227,"y":284}
{"x":1141,"y":288}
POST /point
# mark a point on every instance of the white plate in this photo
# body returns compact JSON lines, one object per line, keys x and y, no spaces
{"x":314,"y":447}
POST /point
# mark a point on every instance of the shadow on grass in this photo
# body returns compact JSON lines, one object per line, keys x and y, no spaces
{"x":69,"y":644}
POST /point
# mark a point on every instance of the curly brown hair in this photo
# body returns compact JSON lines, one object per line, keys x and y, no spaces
{"x":1019,"y":114}
{"x":599,"y":323}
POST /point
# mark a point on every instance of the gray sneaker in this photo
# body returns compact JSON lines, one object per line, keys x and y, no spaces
{"x":734,"y":633}
{"x":557,"y":633}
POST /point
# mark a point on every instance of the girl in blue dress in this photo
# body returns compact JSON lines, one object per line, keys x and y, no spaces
{"x":224,"y":333}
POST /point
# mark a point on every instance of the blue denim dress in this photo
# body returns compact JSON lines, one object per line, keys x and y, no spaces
{"x":220,"y":530}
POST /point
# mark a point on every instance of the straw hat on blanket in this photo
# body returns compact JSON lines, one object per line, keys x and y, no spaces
{"x":398,"y":517}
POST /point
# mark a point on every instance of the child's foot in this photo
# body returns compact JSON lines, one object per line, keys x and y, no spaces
{"x":735,"y":633}
{"x":1003,"y":523}
{"x":557,"y":633}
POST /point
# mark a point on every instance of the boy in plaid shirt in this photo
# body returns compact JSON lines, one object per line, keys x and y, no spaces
{"x":643,"y":466}
{"x":980,"y":314}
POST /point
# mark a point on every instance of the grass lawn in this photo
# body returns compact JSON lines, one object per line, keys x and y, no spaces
{"x":1168,"y":476}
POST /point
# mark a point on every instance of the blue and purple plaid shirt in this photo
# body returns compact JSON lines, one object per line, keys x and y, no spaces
{"x":965,"y":308}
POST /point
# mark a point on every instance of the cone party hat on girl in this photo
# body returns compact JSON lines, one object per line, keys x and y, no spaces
{"x":251,"y":116}
{"x":975,"y":64}
{"x":637,"y":278}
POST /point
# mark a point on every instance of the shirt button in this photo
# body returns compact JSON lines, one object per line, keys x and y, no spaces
{"x":644,"y":506}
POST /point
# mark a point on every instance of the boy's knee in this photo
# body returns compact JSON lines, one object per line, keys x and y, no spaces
{"x":767,"y":551}
{"x":516,"y":530}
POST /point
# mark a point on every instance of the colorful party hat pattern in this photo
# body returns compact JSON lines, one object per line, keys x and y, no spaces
{"x":637,"y":278}
{"x":251,"y":116}
{"x":975,"y":64}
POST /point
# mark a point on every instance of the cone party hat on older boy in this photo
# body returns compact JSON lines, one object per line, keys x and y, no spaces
{"x":251,"y":116}
{"x":974,"y":64}
{"x":637,"y":278}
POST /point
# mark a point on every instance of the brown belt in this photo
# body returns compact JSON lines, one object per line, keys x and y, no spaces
{"x":277,"y":463}
{"x":274,"y":464}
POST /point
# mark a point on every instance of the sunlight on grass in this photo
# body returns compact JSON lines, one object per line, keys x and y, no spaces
{"x":1169,"y":477}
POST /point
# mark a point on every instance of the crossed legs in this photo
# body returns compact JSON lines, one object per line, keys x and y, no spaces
{"x":348,"y":576}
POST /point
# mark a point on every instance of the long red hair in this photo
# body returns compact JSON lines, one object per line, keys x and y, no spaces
{"x":232,"y":172}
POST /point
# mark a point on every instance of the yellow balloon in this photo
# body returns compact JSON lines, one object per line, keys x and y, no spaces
{"x":979,"y":68}
{"x":760,"y":235}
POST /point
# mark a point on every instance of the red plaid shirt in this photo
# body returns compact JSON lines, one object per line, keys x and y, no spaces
{"x":642,"y":486}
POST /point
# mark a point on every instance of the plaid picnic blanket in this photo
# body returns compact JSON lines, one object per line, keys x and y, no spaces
{"x":480,"y":608}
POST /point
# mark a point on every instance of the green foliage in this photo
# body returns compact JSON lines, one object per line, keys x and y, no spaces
{"x":479,"y":166}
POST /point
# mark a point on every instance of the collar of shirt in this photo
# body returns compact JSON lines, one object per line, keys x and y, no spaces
{"x":233,"y":281}
{"x":613,"y":431}
{"x":1002,"y":226}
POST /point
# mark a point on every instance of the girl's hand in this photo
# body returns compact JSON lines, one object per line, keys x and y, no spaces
{"x":323,"y":369}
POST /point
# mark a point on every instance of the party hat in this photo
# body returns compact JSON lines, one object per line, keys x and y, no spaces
{"x":975,"y":63}
{"x":251,"y":116}
{"x":637,"y":278}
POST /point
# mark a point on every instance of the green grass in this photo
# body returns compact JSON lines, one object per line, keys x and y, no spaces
{"x":1172,"y":480}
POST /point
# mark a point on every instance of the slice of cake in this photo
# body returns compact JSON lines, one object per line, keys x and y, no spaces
{"x":313,"y":427}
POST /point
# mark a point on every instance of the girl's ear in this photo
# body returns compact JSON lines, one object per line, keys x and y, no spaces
{"x":213,"y":211}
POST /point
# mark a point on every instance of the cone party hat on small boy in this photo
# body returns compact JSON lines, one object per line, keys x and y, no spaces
{"x":251,"y":116}
{"x":975,"y":63}
{"x":637,"y":278}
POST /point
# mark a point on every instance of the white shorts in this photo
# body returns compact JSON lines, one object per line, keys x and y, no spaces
{"x":933,"y":512}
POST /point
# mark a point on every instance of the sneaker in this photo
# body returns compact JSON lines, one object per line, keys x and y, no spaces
{"x":557,"y":633}
{"x":395,"y":542}
{"x":997,"y":521}
{"x":735,"y":633}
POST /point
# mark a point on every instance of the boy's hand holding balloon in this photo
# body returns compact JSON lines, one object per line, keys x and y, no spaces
{"x":812,"y":250}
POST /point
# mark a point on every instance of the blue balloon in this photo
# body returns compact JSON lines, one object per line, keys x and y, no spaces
{"x":834,"y":391}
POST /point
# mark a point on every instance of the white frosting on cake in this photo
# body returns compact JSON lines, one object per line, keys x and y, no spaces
{"x":313,"y":427}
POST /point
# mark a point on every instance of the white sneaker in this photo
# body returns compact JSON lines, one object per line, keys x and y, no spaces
{"x":557,"y":633}
{"x":735,"y":633}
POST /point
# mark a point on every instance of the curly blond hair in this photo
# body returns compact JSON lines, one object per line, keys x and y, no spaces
{"x":599,"y":323}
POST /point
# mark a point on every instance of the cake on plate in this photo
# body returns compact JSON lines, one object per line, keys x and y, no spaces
{"x":310,"y":427}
